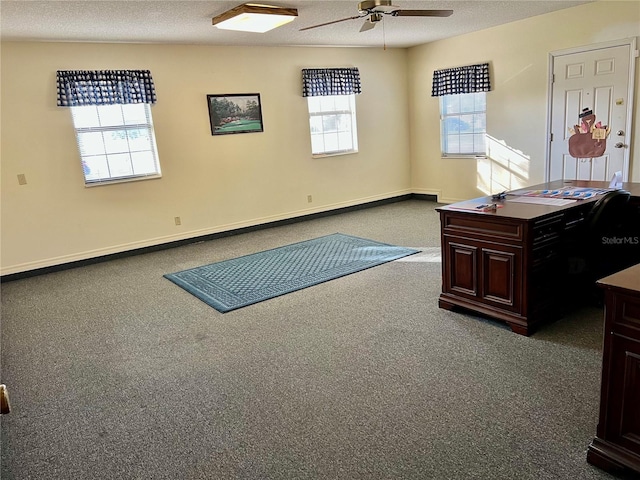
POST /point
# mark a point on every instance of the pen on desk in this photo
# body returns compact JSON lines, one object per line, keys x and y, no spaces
{"x":486,"y":207}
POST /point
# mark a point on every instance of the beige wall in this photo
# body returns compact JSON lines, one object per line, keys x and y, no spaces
{"x":518,"y":54}
{"x":213,"y":183}
{"x":220,"y":183}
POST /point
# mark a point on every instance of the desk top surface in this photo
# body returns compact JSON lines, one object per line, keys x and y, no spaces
{"x":511,"y":209}
{"x":627,"y":279}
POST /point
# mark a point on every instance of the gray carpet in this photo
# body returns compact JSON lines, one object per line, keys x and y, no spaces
{"x":114,"y":373}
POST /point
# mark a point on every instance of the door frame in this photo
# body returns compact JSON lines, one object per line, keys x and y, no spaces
{"x":633,"y":54}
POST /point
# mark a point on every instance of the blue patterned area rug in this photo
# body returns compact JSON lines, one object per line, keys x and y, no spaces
{"x":250,"y":279}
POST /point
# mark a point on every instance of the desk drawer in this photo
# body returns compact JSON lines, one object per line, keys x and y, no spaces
{"x":482,"y":226}
{"x":547,"y":230}
{"x":549,"y":254}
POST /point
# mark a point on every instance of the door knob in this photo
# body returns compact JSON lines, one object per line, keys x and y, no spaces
{"x":620,"y":133}
{"x":619,"y":145}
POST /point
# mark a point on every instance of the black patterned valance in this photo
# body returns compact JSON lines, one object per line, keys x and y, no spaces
{"x":318,"y":82}
{"x":469,"y":79}
{"x":104,"y":87}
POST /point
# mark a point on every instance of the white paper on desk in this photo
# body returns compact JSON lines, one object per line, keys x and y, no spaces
{"x":520,"y":192}
{"x":616,"y":181}
{"x":542,"y":200}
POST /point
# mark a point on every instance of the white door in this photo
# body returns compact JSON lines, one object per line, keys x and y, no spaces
{"x":596,"y":80}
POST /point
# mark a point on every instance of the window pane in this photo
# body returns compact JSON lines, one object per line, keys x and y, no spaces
{"x":463,"y":123}
{"x":135,"y":114}
{"x":342,"y":102}
{"x":110,"y":115}
{"x":452,"y":124}
{"x":314,"y":104}
{"x":327,"y":104}
{"x":143,"y":163}
{"x":466,"y":123}
{"x":331,"y":142}
{"x":317,"y":144}
{"x":116,"y":142}
{"x":453,"y":144}
{"x":345,"y":142}
{"x":344,"y":123}
{"x":316,"y":124}
{"x":95,"y":168}
{"x":120,"y":165}
{"x":329,"y":123}
{"x":91,"y":143}
{"x":332,"y":124}
{"x":450,"y":104}
{"x":467,"y":102}
{"x":84,"y":117}
{"x":466,"y":144}
{"x":139,"y":139}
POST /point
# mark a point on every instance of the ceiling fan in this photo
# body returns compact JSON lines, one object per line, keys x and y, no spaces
{"x":374,"y":10}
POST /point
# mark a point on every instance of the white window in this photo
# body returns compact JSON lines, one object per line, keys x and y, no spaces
{"x":116,"y":142}
{"x":332,"y":120}
{"x":463,"y":124}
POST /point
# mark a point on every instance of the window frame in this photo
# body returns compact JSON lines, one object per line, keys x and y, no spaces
{"x":320,"y":113}
{"x":122,"y":126}
{"x":444,"y":134}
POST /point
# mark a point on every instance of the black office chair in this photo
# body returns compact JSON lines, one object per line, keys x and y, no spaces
{"x":608,"y":214}
{"x":607,"y":245}
{"x":598,"y":250}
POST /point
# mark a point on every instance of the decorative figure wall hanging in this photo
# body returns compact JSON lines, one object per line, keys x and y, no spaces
{"x":589,"y":139}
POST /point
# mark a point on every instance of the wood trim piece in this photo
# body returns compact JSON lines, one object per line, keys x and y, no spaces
{"x":248,"y":8}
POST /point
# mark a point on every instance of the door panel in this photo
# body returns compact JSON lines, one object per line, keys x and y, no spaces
{"x":463,"y":274}
{"x":598,"y":80}
{"x":501,"y":277}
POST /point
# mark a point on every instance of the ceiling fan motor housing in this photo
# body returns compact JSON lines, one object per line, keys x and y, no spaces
{"x":377,"y":6}
{"x":375,"y":17}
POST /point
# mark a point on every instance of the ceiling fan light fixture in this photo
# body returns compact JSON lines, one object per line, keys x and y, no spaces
{"x":253,"y":17}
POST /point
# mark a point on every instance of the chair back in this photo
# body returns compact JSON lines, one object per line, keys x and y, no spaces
{"x":608,"y":211}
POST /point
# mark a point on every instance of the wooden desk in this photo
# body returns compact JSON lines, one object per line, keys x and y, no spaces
{"x":617,"y":444}
{"x":510,"y":264}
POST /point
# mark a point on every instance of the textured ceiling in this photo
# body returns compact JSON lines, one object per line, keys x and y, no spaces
{"x":189,"y":22}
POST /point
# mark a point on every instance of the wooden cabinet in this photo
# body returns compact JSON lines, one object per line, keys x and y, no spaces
{"x":484,"y":265}
{"x":519,"y":262}
{"x":617,"y":444}
{"x":509,"y":268}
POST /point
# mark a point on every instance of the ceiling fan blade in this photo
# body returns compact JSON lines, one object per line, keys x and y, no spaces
{"x":423,"y":13}
{"x":367,"y":25}
{"x":330,"y":23}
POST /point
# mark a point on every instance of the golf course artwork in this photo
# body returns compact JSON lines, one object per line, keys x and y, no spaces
{"x":235,"y":113}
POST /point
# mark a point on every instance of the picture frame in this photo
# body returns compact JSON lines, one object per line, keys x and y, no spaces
{"x":234,"y":113}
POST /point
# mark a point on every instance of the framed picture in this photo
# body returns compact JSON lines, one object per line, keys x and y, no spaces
{"x":235,"y":113}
